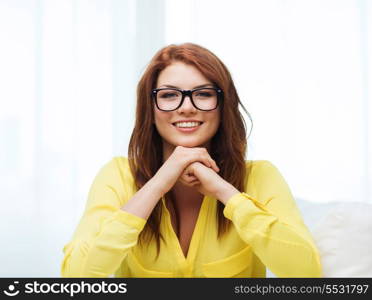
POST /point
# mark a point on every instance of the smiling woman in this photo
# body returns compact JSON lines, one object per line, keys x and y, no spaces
{"x":184,"y":124}
{"x":186,"y":203}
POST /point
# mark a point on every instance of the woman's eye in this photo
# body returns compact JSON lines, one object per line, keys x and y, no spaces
{"x":204,"y":94}
{"x":168,"y":95}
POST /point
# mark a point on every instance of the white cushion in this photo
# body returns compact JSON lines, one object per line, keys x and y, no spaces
{"x":344,"y":240}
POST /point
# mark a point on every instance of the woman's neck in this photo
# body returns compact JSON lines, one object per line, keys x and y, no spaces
{"x":185,"y":197}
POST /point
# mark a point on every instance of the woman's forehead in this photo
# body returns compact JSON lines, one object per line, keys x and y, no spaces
{"x":181,"y":75}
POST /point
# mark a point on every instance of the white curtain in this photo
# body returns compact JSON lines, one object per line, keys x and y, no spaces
{"x":303,"y":69}
{"x":68,"y":74}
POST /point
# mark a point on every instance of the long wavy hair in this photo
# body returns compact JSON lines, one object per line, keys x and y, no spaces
{"x":228,"y":146}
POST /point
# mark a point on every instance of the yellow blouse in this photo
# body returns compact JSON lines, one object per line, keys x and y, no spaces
{"x":268,"y":231}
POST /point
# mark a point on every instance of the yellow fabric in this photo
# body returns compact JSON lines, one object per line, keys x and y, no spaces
{"x":267,"y":231}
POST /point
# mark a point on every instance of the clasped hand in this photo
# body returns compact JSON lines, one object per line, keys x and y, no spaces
{"x":207,"y":181}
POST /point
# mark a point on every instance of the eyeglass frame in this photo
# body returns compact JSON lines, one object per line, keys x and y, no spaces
{"x":187,"y":93}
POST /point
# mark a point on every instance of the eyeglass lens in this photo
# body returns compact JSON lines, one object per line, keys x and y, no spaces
{"x":204,"y":99}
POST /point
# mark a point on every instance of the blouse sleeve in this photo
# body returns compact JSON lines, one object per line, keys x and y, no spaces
{"x":271,"y":223}
{"x":105,"y":233}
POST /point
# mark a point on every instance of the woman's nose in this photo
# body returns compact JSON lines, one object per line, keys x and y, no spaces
{"x":187,"y":105}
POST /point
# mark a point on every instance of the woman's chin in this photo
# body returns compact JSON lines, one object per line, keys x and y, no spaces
{"x":192,"y":144}
{"x":187,"y":142}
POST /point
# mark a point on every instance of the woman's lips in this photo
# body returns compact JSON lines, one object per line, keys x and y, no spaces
{"x":187,"y":129}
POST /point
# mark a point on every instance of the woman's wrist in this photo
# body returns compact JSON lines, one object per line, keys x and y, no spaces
{"x":226,"y":192}
{"x":145,"y":199}
{"x":158,"y":186}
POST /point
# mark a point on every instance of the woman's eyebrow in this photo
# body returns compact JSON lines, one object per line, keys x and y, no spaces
{"x":203,"y":85}
{"x":195,"y":87}
{"x":169,"y":86}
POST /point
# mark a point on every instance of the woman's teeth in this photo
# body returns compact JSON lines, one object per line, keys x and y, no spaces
{"x":187,"y":124}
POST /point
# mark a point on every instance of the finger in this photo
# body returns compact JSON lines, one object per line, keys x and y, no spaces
{"x":214,"y":166}
{"x":211,"y":162}
{"x":204,"y":157}
{"x":188,"y":185}
{"x":186,"y":181}
{"x":189,"y":172}
{"x":207,"y":162}
{"x":188,"y":177}
{"x":190,"y":180}
{"x":194,"y":183}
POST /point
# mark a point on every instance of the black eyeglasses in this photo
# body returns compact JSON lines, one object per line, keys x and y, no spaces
{"x":205,"y":99}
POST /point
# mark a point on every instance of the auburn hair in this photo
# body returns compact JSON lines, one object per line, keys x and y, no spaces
{"x":228,"y":146}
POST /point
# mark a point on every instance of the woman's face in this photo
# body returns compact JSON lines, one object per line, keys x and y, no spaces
{"x":204,"y":123}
